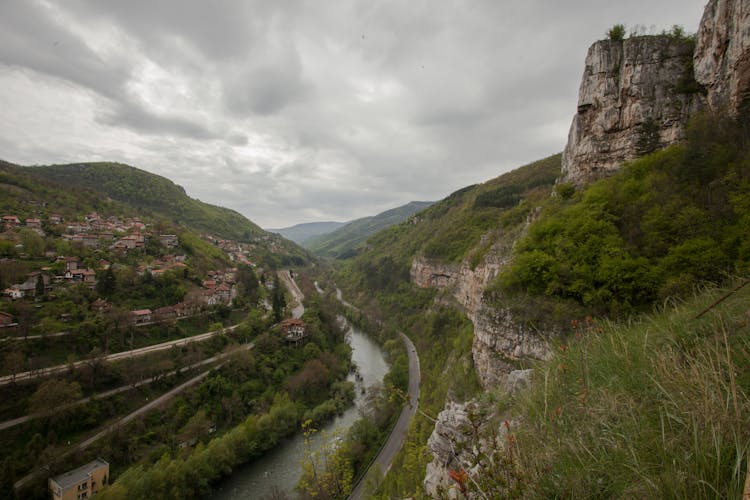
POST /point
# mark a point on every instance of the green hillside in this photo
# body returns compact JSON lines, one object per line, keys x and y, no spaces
{"x":115,"y":189}
{"x":150,"y":192}
{"x":452,"y":229}
{"x":345,"y":241}
{"x":629,"y":403}
{"x":25,"y":193}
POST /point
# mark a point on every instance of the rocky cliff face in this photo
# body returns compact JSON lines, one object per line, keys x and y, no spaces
{"x":636,"y":96}
{"x":499,"y":339}
{"x":452,"y":432}
{"x":722,"y":54}
{"x":466,"y":284}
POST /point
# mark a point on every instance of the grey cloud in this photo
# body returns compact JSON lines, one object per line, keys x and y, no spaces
{"x":268,"y":87}
{"x":288,"y":109}
{"x":136,"y":117}
{"x":31,"y":38}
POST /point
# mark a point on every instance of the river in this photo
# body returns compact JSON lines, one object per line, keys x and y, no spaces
{"x":281,"y":467}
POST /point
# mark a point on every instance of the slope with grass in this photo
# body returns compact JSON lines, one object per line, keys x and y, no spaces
{"x":653,"y":408}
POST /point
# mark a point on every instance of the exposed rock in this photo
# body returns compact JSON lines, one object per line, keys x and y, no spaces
{"x":722,"y":54}
{"x":499,"y":338}
{"x":466,"y":284}
{"x":636,"y":96}
{"x":452,"y":431}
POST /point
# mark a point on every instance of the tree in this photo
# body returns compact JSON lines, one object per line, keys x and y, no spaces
{"x":326,"y":471}
{"x":33,"y":244}
{"x":279,"y":302}
{"x":14,"y":362}
{"x":8,"y":478}
{"x":53,"y":394}
{"x":39,"y":289}
{"x":616,"y":33}
{"x":107,"y":284}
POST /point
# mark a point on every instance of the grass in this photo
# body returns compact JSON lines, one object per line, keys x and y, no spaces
{"x":657,"y":408}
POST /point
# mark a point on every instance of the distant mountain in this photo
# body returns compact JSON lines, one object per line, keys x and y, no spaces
{"x":301,"y":233}
{"x":343,"y":242}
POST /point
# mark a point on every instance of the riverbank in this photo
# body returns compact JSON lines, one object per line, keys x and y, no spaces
{"x":281,"y":468}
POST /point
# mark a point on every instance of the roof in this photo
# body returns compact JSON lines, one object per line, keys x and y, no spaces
{"x":292,"y":322}
{"x":141,"y":312}
{"x":77,"y":476}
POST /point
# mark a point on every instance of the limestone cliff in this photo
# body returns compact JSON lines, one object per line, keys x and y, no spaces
{"x":499,"y":340}
{"x":722,"y":54}
{"x":636,"y":96}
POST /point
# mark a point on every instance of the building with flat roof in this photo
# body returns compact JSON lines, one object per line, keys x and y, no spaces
{"x":79,"y":483}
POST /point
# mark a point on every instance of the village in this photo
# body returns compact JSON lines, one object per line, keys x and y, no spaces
{"x":84,"y":295}
{"x":97,"y":247}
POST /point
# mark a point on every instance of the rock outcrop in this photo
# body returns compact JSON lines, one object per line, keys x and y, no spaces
{"x":499,"y":340}
{"x":465,"y":284}
{"x":452,"y":432}
{"x":636,"y":96}
{"x":722,"y":54}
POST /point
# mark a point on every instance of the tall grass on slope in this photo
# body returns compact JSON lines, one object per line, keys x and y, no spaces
{"x":658,"y":408}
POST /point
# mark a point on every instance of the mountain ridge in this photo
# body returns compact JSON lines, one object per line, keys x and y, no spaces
{"x":344,"y":241}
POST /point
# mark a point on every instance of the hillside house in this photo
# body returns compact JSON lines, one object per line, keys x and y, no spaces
{"x":79,"y":483}
{"x":211,"y":298}
{"x":165,"y":313}
{"x":55,"y":219}
{"x":224,"y":292}
{"x":141,"y":316}
{"x":85,"y":276}
{"x":10,"y":221}
{"x":101,"y":306}
{"x":293,"y":330}
{"x":169,"y":240}
{"x":34,"y":223}
{"x":87,"y":240}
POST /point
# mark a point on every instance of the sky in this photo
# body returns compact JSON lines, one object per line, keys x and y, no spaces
{"x":298,"y":111}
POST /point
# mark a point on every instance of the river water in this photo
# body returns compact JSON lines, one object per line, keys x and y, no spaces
{"x":281,"y":468}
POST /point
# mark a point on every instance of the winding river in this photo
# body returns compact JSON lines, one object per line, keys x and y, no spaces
{"x":280,"y":469}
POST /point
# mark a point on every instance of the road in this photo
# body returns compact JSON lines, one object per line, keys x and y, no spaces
{"x":52,"y":370}
{"x":299,"y":309}
{"x":397,"y":437}
{"x":20,"y":420}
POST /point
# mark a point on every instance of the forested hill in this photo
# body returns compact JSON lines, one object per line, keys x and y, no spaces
{"x":149,"y":192}
{"x":344,"y":241}
{"x":452,"y":228}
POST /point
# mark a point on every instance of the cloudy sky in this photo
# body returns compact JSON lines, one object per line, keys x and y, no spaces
{"x":297,"y":111}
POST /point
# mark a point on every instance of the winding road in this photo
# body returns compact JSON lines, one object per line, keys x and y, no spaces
{"x":384,"y":459}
